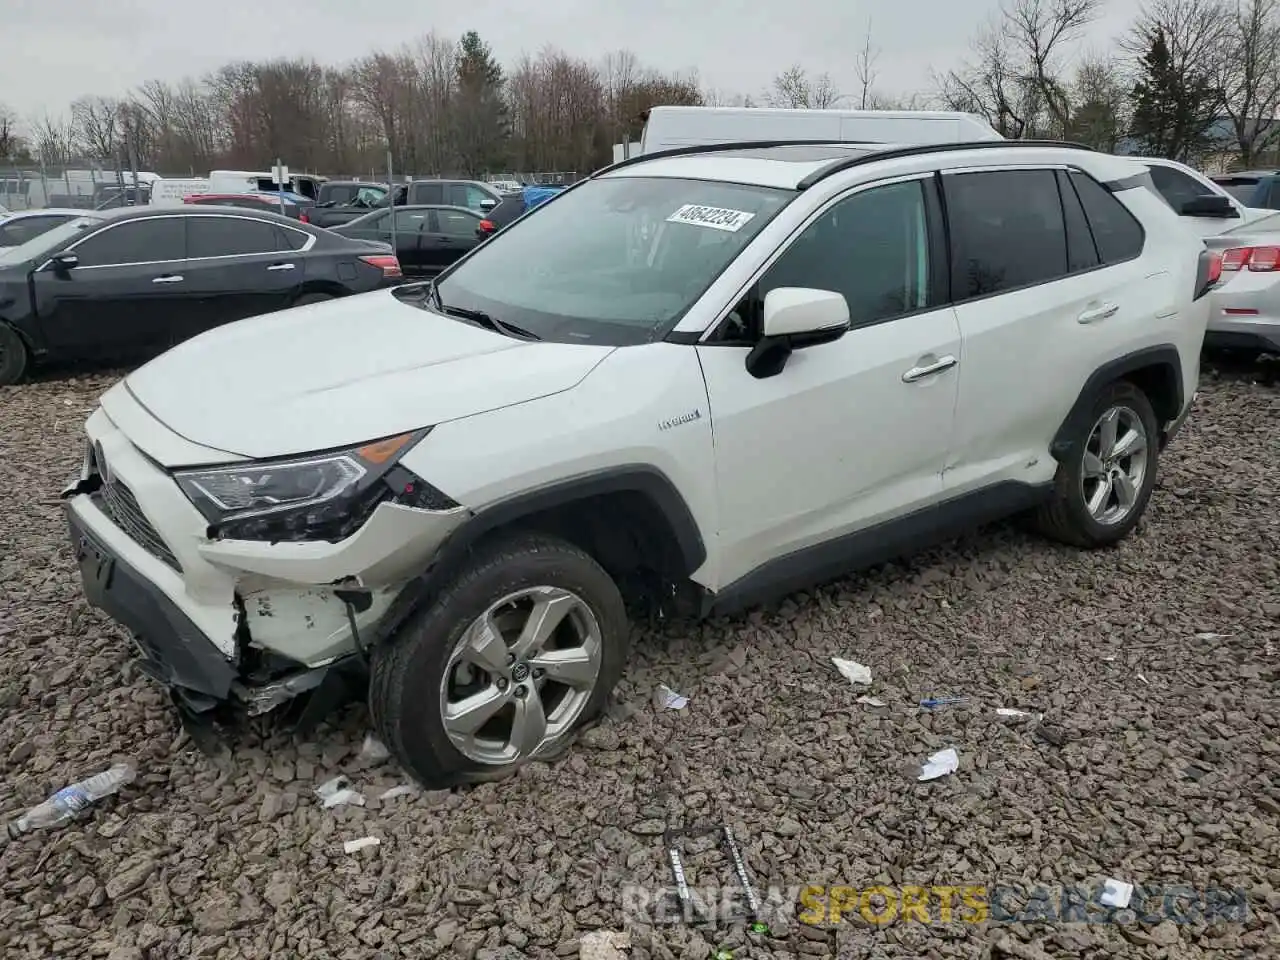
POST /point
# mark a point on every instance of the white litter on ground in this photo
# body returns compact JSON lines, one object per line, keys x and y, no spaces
{"x":941,"y":764}
{"x":372,"y":749}
{"x":403,"y":790}
{"x":871,"y":701}
{"x":669,"y":699}
{"x":853,"y":671}
{"x":336,"y":792}
{"x":1115,"y":893}
{"x":353,"y":846}
{"x":1212,"y":636}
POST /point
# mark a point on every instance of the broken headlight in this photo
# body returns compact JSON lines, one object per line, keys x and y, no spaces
{"x":325,"y":496}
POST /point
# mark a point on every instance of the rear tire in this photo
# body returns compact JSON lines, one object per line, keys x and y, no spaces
{"x":1102,"y":491}
{"x":464,"y":649}
{"x":307,"y":298}
{"x":13,"y":356}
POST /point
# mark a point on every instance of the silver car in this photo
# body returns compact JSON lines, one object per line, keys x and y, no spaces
{"x":1246,"y":306}
{"x":17,"y":228}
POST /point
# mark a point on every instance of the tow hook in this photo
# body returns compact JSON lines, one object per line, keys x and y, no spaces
{"x":357,"y":599}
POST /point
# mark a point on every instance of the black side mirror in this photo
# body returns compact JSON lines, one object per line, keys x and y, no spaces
{"x":1211,"y":206}
{"x":65,"y":262}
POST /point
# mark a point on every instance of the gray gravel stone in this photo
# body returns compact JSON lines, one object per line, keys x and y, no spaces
{"x":1169,"y":781}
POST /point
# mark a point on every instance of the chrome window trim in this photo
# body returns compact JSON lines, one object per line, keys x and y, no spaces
{"x":786,"y":244}
{"x":311,"y":241}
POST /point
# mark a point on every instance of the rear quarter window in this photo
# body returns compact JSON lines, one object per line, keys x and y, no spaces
{"x":1116,"y":232}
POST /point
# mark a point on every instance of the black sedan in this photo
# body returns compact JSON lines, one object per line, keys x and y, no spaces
{"x":116,"y":284}
{"x":428,"y":238}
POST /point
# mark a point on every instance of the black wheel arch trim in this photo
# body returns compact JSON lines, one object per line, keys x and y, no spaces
{"x":1162,"y":355}
{"x":643,"y":479}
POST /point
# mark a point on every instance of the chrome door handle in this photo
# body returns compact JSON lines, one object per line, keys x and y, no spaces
{"x":281,"y":266}
{"x":919,"y":373}
{"x":1099,"y":313}
{"x":167,"y":280}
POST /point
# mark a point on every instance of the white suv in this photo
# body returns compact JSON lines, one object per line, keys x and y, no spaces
{"x":698,"y":379}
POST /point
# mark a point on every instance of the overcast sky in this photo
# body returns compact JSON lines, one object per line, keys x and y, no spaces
{"x":56,"y":51}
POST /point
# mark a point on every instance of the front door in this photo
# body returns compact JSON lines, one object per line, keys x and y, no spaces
{"x":850,"y":433}
{"x":122,"y":296}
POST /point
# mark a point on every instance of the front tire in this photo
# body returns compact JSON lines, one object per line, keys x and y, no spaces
{"x":513,"y":656}
{"x":1102,"y":491}
{"x":13,"y":356}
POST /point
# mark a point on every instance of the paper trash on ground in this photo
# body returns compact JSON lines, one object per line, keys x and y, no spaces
{"x":853,"y":671}
{"x":668,"y":699}
{"x":336,"y":792}
{"x":604,"y":945}
{"x":871,"y":701}
{"x":352,"y":846}
{"x":403,"y":790}
{"x":1115,"y":893}
{"x":940,"y":764}
{"x":1018,"y":714}
{"x":372,"y":749}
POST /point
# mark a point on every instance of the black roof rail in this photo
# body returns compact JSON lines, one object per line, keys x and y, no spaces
{"x":729,"y":147}
{"x":924,"y":148}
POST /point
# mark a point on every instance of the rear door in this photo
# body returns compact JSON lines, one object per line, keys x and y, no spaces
{"x":1043,"y":301}
{"x":123,"y":296}
{"x":452,"y":233}
{"x":239,"y":266}
{"x":411,"y":225}
{"x":425,"y":192}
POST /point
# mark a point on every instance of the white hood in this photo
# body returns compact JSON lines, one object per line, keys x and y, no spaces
{"x":345,"y":372}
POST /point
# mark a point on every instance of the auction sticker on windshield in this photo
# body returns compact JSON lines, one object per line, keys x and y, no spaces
{"x":717,"y":218}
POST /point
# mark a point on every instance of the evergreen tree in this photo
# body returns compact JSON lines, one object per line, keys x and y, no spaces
{"x":1173,"y":109}
{"x":481,"y":121}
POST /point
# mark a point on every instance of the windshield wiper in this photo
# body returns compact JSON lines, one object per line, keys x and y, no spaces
{"x":480,"y":318}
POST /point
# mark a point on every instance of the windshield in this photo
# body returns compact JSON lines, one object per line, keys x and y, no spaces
{"x":615,"y":261}
{"x":1242,"y":190}
{"x":48,"y":241}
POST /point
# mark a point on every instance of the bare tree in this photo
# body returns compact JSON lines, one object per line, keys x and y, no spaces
{"x":96,"y":121}
{"x":1100,"y":96}
{"x":55,"y":140}
{"x":866,"y":70}
{"x":1038,"y":29}
{"x":794,"y":90}
{"x":992,"y":85}
{"x":1249,"y":73}
{"x":9,"y":139}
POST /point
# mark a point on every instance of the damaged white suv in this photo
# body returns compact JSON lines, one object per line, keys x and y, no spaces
{"x":698,"y":379}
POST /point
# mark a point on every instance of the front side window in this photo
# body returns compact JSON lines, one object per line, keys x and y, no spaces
{"x":369,"y":197}
{"x":411,"y":221}
{"x":150,"y":240}
{"x":1007,"y":231}
{"x":229,"y":237}
{"x":872,"y":247}
{"x":615,"y":261}
{"x":428,"y":193}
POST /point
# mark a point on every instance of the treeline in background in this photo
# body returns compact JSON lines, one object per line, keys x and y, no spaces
{"x":1194,"y":80}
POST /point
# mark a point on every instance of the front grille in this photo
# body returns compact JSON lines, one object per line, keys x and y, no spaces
{"x":118,"y":502}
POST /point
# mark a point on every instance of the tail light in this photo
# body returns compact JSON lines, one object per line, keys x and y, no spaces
{"x":1208,"y":272}
{"x":303,"y":217}
{"x":1257,"y":259}
{"x":487,"y":226}
{"x":387,"y":262}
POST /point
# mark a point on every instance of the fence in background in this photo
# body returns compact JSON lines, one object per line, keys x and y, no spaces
{"x":86,"y":188}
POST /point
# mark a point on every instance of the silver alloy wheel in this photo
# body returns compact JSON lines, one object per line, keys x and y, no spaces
{"x":1115,"y":465}
{"x":520,"y":676}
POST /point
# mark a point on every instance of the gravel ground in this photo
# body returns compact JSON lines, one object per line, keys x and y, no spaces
{"x":1161,"y":763}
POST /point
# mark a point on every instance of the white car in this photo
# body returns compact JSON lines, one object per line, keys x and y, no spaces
{"x":1206,"y":207}
{"x":17,"y":228}
{"x":698,"y":380}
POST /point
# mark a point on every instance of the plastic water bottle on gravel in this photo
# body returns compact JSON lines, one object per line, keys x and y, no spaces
{"x":64,"y":805}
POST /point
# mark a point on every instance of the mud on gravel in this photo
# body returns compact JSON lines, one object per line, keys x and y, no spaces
{"x":1161,"y":765}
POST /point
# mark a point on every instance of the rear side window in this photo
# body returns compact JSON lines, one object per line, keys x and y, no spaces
{"x":342,"y":194}
{"x":1116,"y":232}
{"x":1273,"y":194}
{"x":229,"y":237}
{"x":27,"y":228}
{"x":292,"y":239}
{"x":1007,"y":231}
{"x":1242,"y":189}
